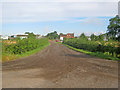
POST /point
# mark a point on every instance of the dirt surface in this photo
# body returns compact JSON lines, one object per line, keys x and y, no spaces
{"x":60,"y":67}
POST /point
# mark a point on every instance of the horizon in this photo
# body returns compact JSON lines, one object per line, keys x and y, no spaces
{"x":86,"y":34}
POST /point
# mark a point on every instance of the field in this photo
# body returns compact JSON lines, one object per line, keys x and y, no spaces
{"x":108,"y":48}
{"x":19,"y":48}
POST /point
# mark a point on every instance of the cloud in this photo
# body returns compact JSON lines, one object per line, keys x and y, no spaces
{"x":93,"y":21}
{"x":59,"y":0}
{"x":31,"y":12}
{"x":0,"y":12}
{"x":0,"y":18}
{"x":55,"y":11}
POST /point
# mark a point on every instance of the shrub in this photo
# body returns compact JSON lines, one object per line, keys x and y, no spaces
{"x":94,"y":46}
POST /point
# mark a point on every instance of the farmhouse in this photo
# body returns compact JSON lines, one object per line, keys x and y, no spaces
{"x":68,"y":35}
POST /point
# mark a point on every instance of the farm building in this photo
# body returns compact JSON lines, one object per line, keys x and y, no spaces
{"x":68,"y":35}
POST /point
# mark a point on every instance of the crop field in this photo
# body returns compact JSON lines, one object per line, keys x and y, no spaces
{"x":106,"y":47}
{"x":8,"y":42}
{"x":14,"y":49}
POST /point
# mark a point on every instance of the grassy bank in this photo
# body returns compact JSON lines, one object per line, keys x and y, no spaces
{"x":97,"y":54}
{"x":10,"y":56}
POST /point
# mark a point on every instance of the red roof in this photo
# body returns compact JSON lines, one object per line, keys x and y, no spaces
{"x":68,"y":35}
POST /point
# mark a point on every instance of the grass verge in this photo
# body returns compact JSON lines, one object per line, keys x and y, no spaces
{"x":59,"y":42}
{"x":9,"y":57}
{"x":96,"y":54}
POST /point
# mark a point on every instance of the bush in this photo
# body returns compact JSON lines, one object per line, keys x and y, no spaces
{"x":94,"y":46}
{"x":24,"y":45}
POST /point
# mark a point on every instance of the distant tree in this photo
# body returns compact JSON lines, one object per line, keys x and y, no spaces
{"x":26,"y":32}
{"x":53,"y":35}
{"x":61,"y":33}
{"x":76,"y":37}
{"x":93,"y":37}
{"x":101,"y":37}
{"x":82,"y":36}
{"x":114,"y":27}
{"x":97,"y":38}
{"x":30,"y":35}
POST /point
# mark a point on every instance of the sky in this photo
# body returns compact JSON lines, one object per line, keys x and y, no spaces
{"x":63,"y":16}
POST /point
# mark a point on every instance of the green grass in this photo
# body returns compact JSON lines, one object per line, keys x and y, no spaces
{"x":59,"y":42}
{"x":9,"y":57}
{"x":96,"y":54}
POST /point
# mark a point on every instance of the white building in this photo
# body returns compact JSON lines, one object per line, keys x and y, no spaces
{"x":5,"y":37}
{"x":61,"y":38}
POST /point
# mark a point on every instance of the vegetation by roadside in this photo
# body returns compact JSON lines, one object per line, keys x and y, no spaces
{"x":23,"y":48}
{"x":97,"y":54}
{"x":59,"y":42}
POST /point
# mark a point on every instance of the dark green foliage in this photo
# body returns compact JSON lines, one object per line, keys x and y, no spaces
{"x":25,"y":45}
{"x":114,"y":27}
{"x":93,"y":37}
{"x":82,"y":36}
{"x":97,"y":38}
{"x":101,"y":37}
{"x":30,"y":35}
{"x":53,"y":35}
{"x":93,"y":46}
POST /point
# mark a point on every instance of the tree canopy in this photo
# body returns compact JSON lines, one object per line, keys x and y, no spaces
{"x":93,"y":37}
{"x":53,"y":35}
{"x":114,"y":27}
{"x":82,"y":36}
{"x":30,"y":35}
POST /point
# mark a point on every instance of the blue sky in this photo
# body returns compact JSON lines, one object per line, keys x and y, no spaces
{"x":64,"y":26}
{"x":66,"y":16}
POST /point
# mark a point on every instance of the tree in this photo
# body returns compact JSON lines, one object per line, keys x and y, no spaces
{"x":61,"y":33}
{"x":93,"y":37}
{"x":101,"y":37}
{"x":82,"y":36}
{"x":30,"y":35}
{"x":76,"y":37}
{"x":114,"y":27}
{"x":26,"y":32}
{"x":53,"y":35}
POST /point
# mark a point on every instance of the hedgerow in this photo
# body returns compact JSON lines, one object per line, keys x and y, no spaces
{"x":24,"y":45}
{"x":109,"y":48}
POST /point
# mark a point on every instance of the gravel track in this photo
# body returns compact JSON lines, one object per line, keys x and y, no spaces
{"x":60,"y":67}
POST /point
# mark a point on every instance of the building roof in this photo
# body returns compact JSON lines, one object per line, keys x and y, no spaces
{"x":71,"y":34}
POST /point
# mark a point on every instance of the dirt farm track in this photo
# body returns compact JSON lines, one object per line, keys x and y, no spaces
{"x":60,"y":67}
